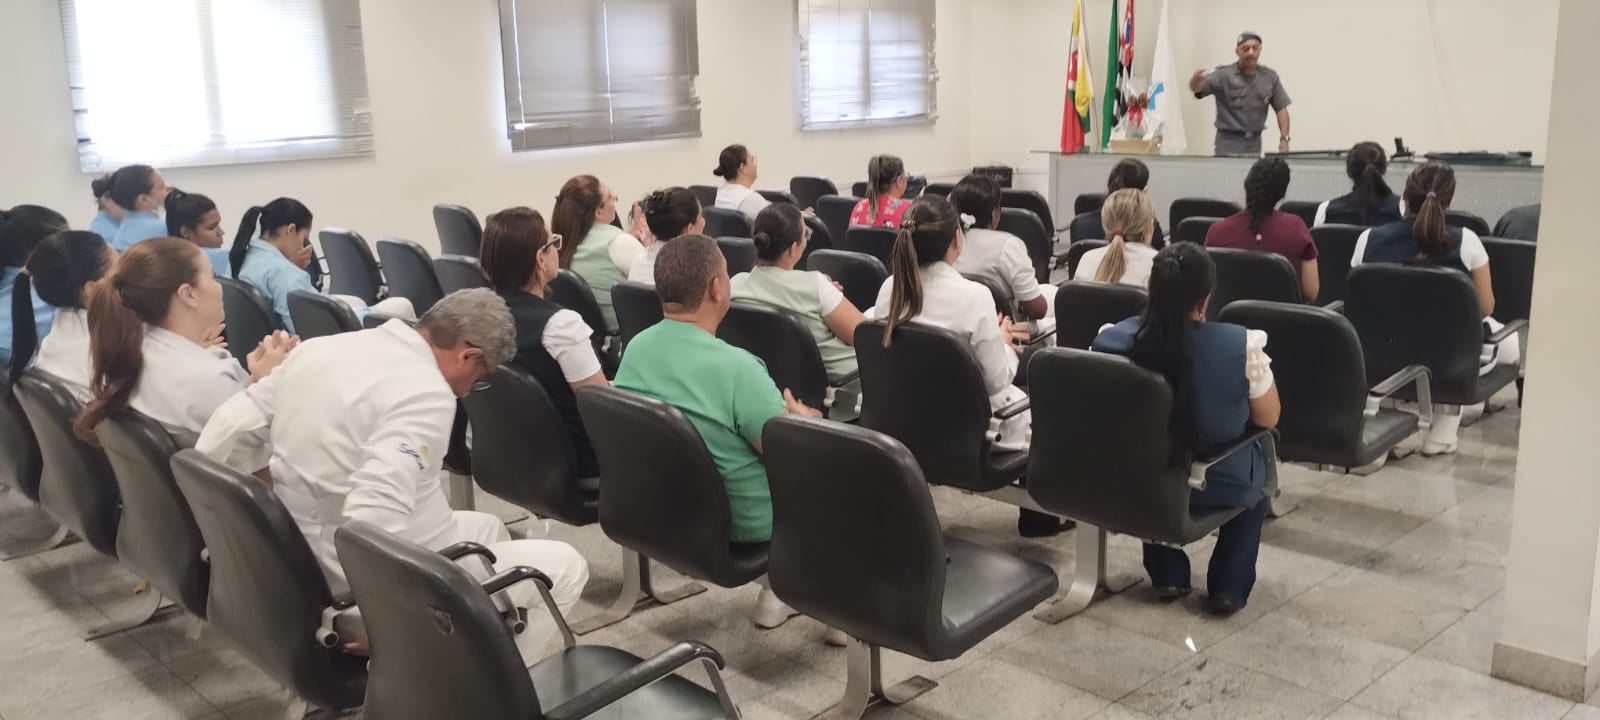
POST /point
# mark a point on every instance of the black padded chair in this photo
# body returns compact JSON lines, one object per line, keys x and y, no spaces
{"x":859,"y":188}
{"x":1511,"y":273}
{"x":722,"y":222}
{"x":875,"y":241}
{"x":1035,"y":235}
{"x":20,"y":467}
{"x":76,"y":487}
{"x":1076,"y":251}
{"x":351,"y":265}
{"x":157,"y":538}
{"x":569,"y":290}
{"x":821,"y":239}
{"x":460,"y":233}
{"x":410,"y":273}
{"x":1251,"y":275}
{"x":780,"y":338}
{"x":638,"y":307}
{"x":441,"y":649}
{"x":779,"y":196}
{"x":860,"y":274}
{"x":1084,"y":306}
{"x":834,"y":211}
{"x":1322,"y":381}
{"x":664,"y":500}
{"x":1336,"y":247}
{"x":249,"y":317}
{"x":740,"y":252}
{"x":1032,"y":202}
{"x":459,"y":272}
{"x":1194,"y":229}
{"x":1004,"y":302}
{"x":1087,"y":203}
{"x":807,"y":189}
{"x":706,"y":194}
{"x":1440,"y":329}
{"x":1470,"y":221}
{"x":1303,"y":209}
{"x":852,"y":511}
{"x":316,"y":315}
{"x":939,"y":189}
{"x":522,"y":452}
{"x":950,"y":431}
{"x":1199,"y":207}
{"x":268,"y":594}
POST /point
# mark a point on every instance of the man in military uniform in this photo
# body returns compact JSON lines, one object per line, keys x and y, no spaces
{"x":1244,"y":90}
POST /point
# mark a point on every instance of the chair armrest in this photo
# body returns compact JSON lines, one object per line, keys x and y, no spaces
{"x":633,"y":679}
{"x":1505,"y":332}
{"x":846,"y":380}
{"x":1336,"y":306}
{"x":1212,"y":456}
{"x":1041,"y":337}
{"x":463,"y":549}
{"x":1410,"y":374}
{"x":542,"y":583}
{"x":1014,"y":409}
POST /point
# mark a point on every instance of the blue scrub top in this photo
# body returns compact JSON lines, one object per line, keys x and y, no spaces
{"x":275,"y":276}
{"x":43,"y":312}
{"x":105,"y":226}
{"x":138,"y":226}
{"x":219,"y":261}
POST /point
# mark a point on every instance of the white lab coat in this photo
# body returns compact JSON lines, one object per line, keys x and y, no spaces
{"x":733,"y":196}
{"x":355,"y":427}
{"x":64,"y":353}
{"x":183,"y":383}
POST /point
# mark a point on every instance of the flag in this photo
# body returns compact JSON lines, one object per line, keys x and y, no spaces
{"x":1119,"y":52}
{"x":1080,"y":88}
{"x":1166,"y":91}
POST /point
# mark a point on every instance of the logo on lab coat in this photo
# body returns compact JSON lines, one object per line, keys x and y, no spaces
{"x":416,"y":455}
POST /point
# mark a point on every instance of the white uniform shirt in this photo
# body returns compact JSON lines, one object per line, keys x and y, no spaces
{"x":1002,"y":256}
{"x":966,"y":307}
{"x":64,"y":353}
{"x":354,"y":427}
{"x":1137,"y":260}
{"x":644,"y":266}
{"x":733,"y":196}
{"x":568,"y":339}
{"x":1473,"y":254}
{"x":183,"y":383}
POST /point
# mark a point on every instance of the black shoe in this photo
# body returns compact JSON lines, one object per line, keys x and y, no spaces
{"x":1223,"y":606}
{"x":1172,"y":592}
{"x":1033,"y":524}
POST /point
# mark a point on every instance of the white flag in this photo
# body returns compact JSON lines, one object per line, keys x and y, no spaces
{"x":1166,"y":89}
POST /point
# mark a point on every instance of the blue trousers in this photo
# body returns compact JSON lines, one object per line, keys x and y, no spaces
{"x":1232,"y":572}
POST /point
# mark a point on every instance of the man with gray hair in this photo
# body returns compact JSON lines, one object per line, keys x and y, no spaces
{"x":354,"y":427}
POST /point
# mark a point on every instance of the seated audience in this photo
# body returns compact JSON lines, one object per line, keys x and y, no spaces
{"x":1370,"y":201}
{"x":109,"y":214}
{"x":737,"y":167}
{"x":599,"y":252}
{"x":155,"y":325}
{"x":667,"y":213}
{"x":1130,"y":221}
{"x":1261,"y":226}
{"x":723,"y":390}
{"x":275,"y":262}
{"x":1222,"y":386}
{"x":194,"y":217}
{"x":1519,"y":223}
{"x":141,"y":192}
{"x":1424,"y":238}
{"x":1126,"y":174}
{"x":886,"y":190}
{"x":781,"y":236}
{"x":554,"y":345}
{"x":353,"y":427}
{"x":996,"y":253}
{"x":59,"y":271}
{"x":22,"y":228}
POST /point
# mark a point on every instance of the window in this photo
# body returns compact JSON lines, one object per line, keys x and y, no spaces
{"x":866,"y":61}
{"x":591,"y":72}
{"x":213,"y":82}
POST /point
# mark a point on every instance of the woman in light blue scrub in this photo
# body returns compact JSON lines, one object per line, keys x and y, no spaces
{"x":194,"y":217}
{"x":274,"y":263}
{"x":22,"y":228}
{"x":142,"y":193}
{"x":105,"y":223}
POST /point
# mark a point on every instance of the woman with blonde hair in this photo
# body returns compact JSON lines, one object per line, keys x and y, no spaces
{"x":1130,"y":223}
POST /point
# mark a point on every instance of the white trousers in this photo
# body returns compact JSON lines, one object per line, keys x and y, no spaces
{"x":1048,"y":322}
{"x":1507,"y":352}
{"x":568,"y":573}
{"x":394,"y":307}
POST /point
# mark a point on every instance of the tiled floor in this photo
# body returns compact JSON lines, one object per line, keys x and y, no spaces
{"x":1378,"y":598}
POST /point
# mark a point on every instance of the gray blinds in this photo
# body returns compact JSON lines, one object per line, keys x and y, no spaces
{"x":866,"y":61}
{"x":211,"y":82}
{"x":591,"y":72}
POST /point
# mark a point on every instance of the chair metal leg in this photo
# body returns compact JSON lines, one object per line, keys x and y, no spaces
{"x":56,"y":539}
{"x":149,"y":608}
{"x":301,"y":710}
{"x":1088,"y":578}
{"x":638,"y":591}
{"x":1277,"y":506}
{"x":864,"y":688}
{"x":462,"y":492}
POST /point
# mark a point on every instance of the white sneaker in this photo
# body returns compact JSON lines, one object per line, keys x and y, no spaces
{"x":836,"y":638}
{"x":1431,"y":448}
{"x":770,"y":611}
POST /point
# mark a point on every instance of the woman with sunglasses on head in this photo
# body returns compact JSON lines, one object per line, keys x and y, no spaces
{"x":554,"y":345}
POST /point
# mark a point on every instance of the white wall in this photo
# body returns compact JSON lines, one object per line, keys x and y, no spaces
{"x":433,"y":69}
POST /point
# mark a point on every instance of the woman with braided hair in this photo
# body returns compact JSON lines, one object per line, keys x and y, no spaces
{"x":1262,"y":226}
{"x":668,"y":214}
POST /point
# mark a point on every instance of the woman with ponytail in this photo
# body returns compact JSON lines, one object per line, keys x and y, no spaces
{"x":781,"y":235}
{"x":668,"y":214}
{"x":886,"y":190}
{"x":22,"y":228}
{"x":1222,"y":386}
{"x":1370,"y":201}
{"x":1130,"y":223}
{"x":151,"y":324}
{"x":737,"y":168}
{"x":141,"y":192}
{"x":194,"y":217}
{"x":275,"y":262}
{"x":109,"y":215}
{"x":996,"y":253}
{"x":59,"y":271}
{"x":1262,"y":226}
{"x":1424,"y":238}
{"x":599,"y":252}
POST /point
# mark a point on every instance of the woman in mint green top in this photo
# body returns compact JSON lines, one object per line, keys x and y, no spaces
{"x":781,"y":236}
{"x":599,"y":252}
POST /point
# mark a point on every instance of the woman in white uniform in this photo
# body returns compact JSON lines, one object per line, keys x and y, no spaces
{"x":737,"y":167}
{"x":668,"y":214}
{"x":1130,"y":222}
{"x":59,"y":270}
{"x":998,"y":254}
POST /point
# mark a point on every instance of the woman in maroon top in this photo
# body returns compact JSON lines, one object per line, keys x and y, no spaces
{"x":1261,"y":226}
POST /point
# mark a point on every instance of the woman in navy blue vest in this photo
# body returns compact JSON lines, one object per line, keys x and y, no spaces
{"x":520,"y":255}
{"x":1370,"y":201}
{"x":1222,"y":385}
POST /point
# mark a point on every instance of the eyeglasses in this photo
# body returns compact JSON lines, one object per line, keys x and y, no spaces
{"x":553,"y":242}
{"x":481,"y":384}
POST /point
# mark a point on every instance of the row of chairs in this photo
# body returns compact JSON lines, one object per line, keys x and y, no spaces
{"x":1306,"y":210}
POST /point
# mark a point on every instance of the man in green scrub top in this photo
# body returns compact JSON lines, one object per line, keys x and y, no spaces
{"x":1244,"y":91}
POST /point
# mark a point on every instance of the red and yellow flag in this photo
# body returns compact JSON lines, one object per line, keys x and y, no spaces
{"x":1080,"y":88}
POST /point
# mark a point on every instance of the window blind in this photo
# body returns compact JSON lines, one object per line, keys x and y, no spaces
{"x":866,"y":61}
{"x":211,"y":82}
{"x":592,"y":72}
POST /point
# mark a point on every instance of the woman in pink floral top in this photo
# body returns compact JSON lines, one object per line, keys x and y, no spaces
{"x":886,"y":189}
